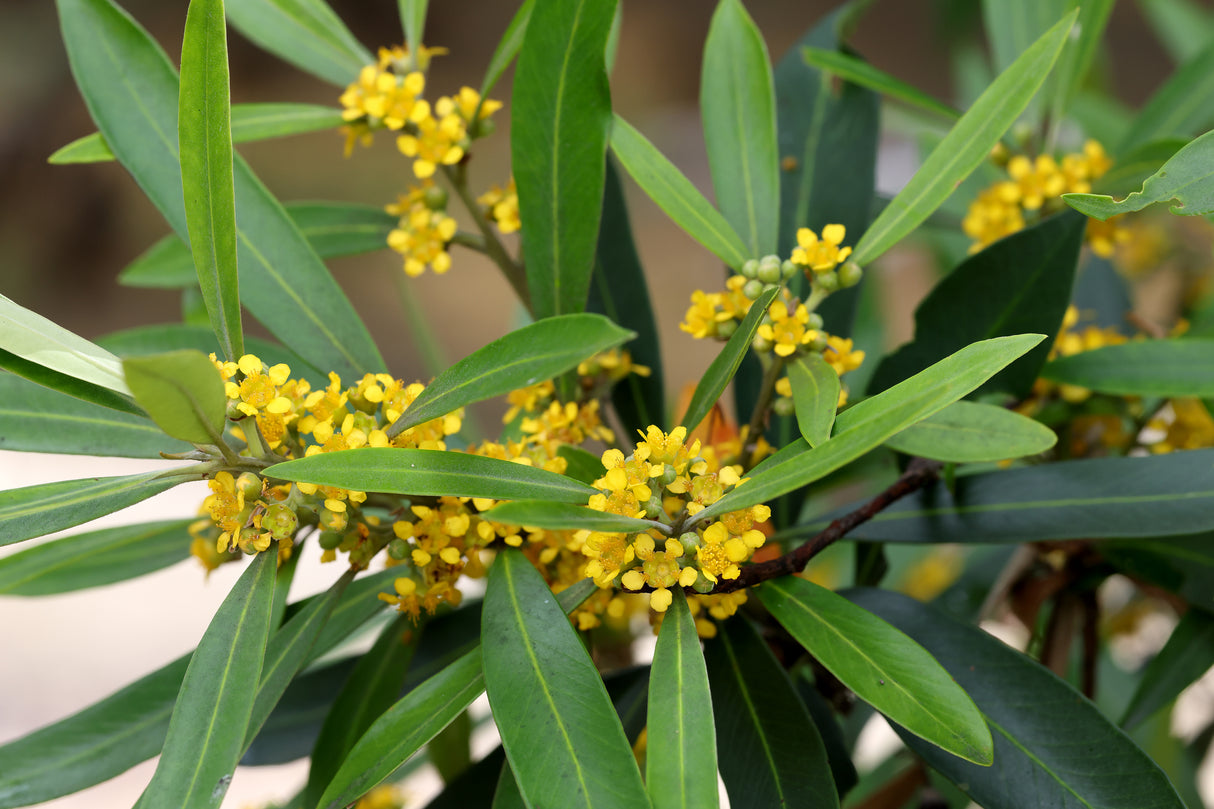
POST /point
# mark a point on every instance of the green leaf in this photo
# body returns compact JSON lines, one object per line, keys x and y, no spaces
{"x":1188,"y":654}
{"x":1099,"y":497}
{"x":681,"y":748}
{"x":965,"y":146}
{"x":723,"y":367}
{"x":70,"y":385}
{"x":858,"y":71}
{"x":1183,"y":565}
{"x":580,"y":464}
{"x":250,"y":122}
{"x":205,"y":137}
{"x":874,"y":421}
{"x":815,"y":394}
{"x":1017,"y":285}
{"x":450,"y":750}
{"x":1078,"y":53}
{"x":1184,"y":27}
{"x":36,"y":419}
{"x":1134,"y":168}
{"x":881,"y":665}
{"x":1012,"y":27}
{"x":207,"y":729}
{"x":1180,"y":108}
{"x":183,"y":393}
{"x":413,"y":20}
{"x":968,"y":432}
{"x":35,"y":511}
{"x":619,"y":290}
{"x":32,"y":337}
{"x":507,"y":795}
{"x":305,"y":33}
{"x":564,"y":516}
{"x":431,"y":472}
{"x":561,"y":114}
{"x":738,"y":106}
{"x":675,"y":194}
{"x":1186,"y":181}
{"x":540,"y":351}
{"x":561,"y":734}
{"x":372,"y":688}
{"x":770,"y":752}
{"x":1035,"y":719}
{"x":93,"y":559}
{"x":507,"y":47}
{"x":1183,"y":367}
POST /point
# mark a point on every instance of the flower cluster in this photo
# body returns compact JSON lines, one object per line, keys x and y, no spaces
{"x":423,"y":229}
{"x":1036,"y":185}
{"x":501,"y":207}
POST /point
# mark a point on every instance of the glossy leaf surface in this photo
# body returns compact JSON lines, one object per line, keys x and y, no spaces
{"x":1186,"y":182}
{"x":507,"y":48}
{"x":563,"y":516}
{"x":862,"y":73}
{"x":32,"y":337}
{"x":1183,"y":367}
{"x":305,"y":33}
{"x":815,"y":395}
{"x":968,"y":432}
{"x":182,"y":392}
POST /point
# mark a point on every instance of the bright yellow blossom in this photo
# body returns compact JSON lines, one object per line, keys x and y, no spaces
{"x":824,"y":254}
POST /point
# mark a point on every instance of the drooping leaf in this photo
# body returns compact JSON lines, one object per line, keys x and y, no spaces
{"x":1179,"y":564}
{"x":305,"y":33}
{"x":32,"y":337}
{"x":619,"y":290}
{"x":858,"y":71}
{"x":966,"y":145}
{"x":670,"y":189}
{"x":507,"y":47}
{"x":563,"y":516}
{"x":968,"y":432}
{"x":1186,"y":181}
{"x":1188,"y":654}
{"x":1052,"y":746}
{"x":432,"y":472}
{"x":95,"y":558}
{"x":873,"y":421}
{"x":205,"y":137}
{"x":769,"y":750}
{"x":681,"y":749}
{"x":1183,"y":367}
{"x":561,"y":734}
{"x":35,"y":511}
{"x":1019,"y":284}
{"x":37,"y":419}
{"x":1098,"y":497}
{"x":881,"y":665}
{"x":183,"y":393}
{"x":815,"y":394}
{"x":542,"y":350}
{"x":723,"y":367}
{"x":207,"y":729}
{"x":738,"y":106}
{"x":1180,"y":108}
{"x":561,"y":114}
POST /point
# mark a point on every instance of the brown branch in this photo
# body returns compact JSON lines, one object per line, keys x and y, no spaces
{"x":918,"y":474}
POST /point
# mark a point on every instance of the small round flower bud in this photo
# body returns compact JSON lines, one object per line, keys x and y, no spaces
{"x":783,"y":406}
{"x":761,"y":345}
{"x":751,"y":268}
{"x":280,"y":521}
{"x":703,"y":585}
{"x":252,"y":540}
{"x":726,"y":328}
{"x":329,"y":540}
{"x":690,"y":541}
{"x":770,"y":271}
{"x":815,"y":321}
{"x":669,"y":475}
{"x":653,"y":507}
{"x":827,"y":281}
{"x":249,"y":485}
{"x":850,"y":274}
{"x":398,"y":549}
{"x":788,"y":269}
{"x":818,"y":343}
{"x":435,"y":198}
{"x":753,"y":288}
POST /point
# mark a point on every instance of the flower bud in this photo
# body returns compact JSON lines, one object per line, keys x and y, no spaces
{"x":329,"y":540}
{"x":703,"y":585}
{"x":850,"y":274}
{"x":249,"y":485}
{"x":827,"y":281}
{"x":726,"y":328}
{"x":788,"y":269}
{"x":751,"y":268}
{"x":753,"y":288}
{"x":280,"y":521}
{"x":762,"y":345}
{"x":815,"y":322}
{"x":783,"y":406}
{"x":690,"y":541}
{"x":770,"y":271}
{"x":398,"y":549}
{"x":435,"y":198}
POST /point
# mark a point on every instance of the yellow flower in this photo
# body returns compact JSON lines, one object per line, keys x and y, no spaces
{"x":704,"y":314}
{"x":468,"y":100}
{"x":659,"y":570}
{"x":501,"y":207}
{"x":422,"y":239}
{"x":840,"y":355}
{"x":821,"y":255}
{"x":787,"y":332}
{"x":439,"y":139}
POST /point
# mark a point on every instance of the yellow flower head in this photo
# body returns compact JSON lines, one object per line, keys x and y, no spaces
{"x":821,"y":255}
{"x":788,"y":331}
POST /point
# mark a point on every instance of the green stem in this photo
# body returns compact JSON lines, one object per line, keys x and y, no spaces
{"x":758,"y":417}
{"x":493,"y":246}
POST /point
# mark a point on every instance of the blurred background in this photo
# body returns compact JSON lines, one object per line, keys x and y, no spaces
{"x":67,"y":231}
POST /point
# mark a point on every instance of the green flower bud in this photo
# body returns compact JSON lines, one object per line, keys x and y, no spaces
{"x":770,"y":271}
{"x":788,"y":269}
{"x":815,"y":321}
{"x":818,"y":343}
{"x":850,"y":274}
{"x":827,"y":281}
{"x":280,"y":521}
{"x":668,"y":475}
{"x":653,"y":508}
{"x":703,"y":585}
{"x":398,"y":549}
{"x":329,"y":540}
{"x":435,"y":198}
{"x":753,"y":288}
{"x":783,"y":406}
{"x":761,"y":345}
{"x":690,"y":541}
{"x":725,"y":329}
{"x":751,"y":268}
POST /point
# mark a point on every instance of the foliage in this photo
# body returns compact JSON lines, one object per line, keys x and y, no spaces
{"x":1031,"y":407}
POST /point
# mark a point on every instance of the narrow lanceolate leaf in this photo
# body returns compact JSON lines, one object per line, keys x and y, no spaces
{"x":881,"y":665}
{"x":1186,"y":182}
{"x":858,"y":71}
{"x":305,"y":33}
{"x":35,"y":511}
{"x":968,"y":432}
{"x":771,"y":753}
{"x":815,"y":395}
{"x":183,"y":393}
{"x":738,"y":106}
{"x":1181,"y":107}
{"x":1035,"y":719}
{"x":507,"y":47}
{"x":70,"y":385}
{"x":681,"y":749}
{"x":1182,"y":367}
{"x":1184,"y":27}
{"x":1078,"y":53}
{"x":966,"y":145}
{"x":250,"y":122}
{"x":561,"y":113}
{"x":561,"y":733}
{"x":37,"y":419}
{"x":874,"y":421}
{"x":413,"y":20}
{"x":523,"y":357}
{"x":205,"y":136}
{"x":675,"y":194}
{"x":564,"y":516}
{"x":725,"y":364}
{"x":1188,"y":654}
{"x":207,"y":730}
{"x":432,"y":472}
{"x":1100,"y":497}
{"x":95,"y":558}
{"x":1019,"y":284}
{"x":32,"y":337}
